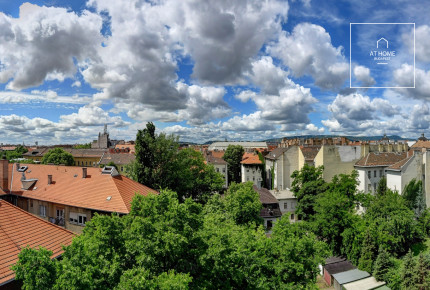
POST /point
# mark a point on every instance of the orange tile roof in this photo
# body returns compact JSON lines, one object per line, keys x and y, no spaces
{"x":18,"y":229}
{"x":129,"y":146}
{"x":250,"y":158}
{"x":69,"y":188}
{"x":217,"y":154}
{"x":421,"y":144}
{"x":398,"y":166}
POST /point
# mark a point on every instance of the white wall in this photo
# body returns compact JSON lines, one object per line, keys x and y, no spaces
{"x":365,"y":181}
{"x":394,"y":180}
{"x":251,"y":172}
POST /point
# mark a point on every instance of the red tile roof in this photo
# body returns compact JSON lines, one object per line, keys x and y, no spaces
{"x":381,"y":159}
{"x":18,"y":229}
{"x":250,"y":158}
{"x":310,"y":152}
{"x":398,"y":166}
{"x":69,"y":188}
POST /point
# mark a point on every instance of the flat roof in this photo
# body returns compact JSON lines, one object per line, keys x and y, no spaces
{"x":364,"y":284}
{"x":350,"y":276}
{"x":341,"y":266}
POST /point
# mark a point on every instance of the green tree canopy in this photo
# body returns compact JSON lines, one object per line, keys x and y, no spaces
{"x":233,"y":156}
{"x":161,"y":165}
{"x":307,"y":184}
{"x":58,"y":156}
{"x":165,"y":244}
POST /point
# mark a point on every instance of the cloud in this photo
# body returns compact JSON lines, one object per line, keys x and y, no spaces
{"x":405,"y":77}
{"x":362,"y":74}
{"x":422,"y":43}
{"x":44,"y":43}
{"x":308,"y":51}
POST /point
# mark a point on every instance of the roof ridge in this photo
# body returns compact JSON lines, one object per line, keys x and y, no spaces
{"x":35,"y":216}
{"x":367,"y":157}
{"x":119,"y":191}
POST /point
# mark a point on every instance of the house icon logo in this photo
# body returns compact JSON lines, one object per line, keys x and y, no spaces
{"x":382,"y":42}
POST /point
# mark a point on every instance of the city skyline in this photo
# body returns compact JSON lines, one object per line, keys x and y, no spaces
{"x":241,"y":70}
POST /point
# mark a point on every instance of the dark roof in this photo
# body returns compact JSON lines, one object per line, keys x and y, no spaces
{"x":339,"y":267}
{"x":310,"y":152}
{"x":332,"y":260}
{"x":276,"y":153}
{"x":270,"y":212}
{"x":381,"y":159}
{"x":118,"y":158}
{"x":265,"y":196}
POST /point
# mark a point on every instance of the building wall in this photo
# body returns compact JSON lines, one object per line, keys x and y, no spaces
{"x":411,"y":170}
{"x":394,"y":180}
{"x":251,"y":172}
{"x":288,"y":207}
{"x":87,"y":161}
{"x":369,"y":185}
{"x":51,"y":212}
{"x":222,"y":168}
{"x":426,"y":176}
{"x":337,"y":159}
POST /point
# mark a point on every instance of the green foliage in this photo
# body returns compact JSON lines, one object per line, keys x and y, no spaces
{"x":408,"y":271}
{"x":422,"y":273}
{"x":263,"y":169}
{"x":382,"y":264}
{"x":15,"y":154}
{"x":82,"y":146}
{"x":382,"y":186}
{"x":368,"y":254}
{"x":414,"y":197}
{"x":307,"y":184}
{"x":165,"y":244}
{"x":242,"y":202}
{"x":58,"y":156}
{"x":35,"y":268}
{"x":233,"y":156}
{"x":160,"y":164}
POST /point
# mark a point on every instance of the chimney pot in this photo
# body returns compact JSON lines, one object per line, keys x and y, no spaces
{"x":4,"y":164}
{"x":49,"y":179}
{"x":84,"y":172}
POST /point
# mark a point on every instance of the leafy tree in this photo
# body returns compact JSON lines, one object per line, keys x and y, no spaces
{"x":368,"y":254}
{"x":422,"y":276}
{"x":382,"y":186}
{"x":35,"y":268}
{"x":233,"y":156}
{"x":242,"y":202}
{"x":155,"y":154}
{"x":408,"y":271}
{"x":160,"y":164}
{"x":411,"y":192}
{"x":382,"y":265}
{"x":16,"y":153}
{"x":58,"y":156}
{"x":307,"y":184}
{"x":191,"y":177}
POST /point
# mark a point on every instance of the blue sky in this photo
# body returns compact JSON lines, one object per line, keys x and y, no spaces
{"x":208,"y":70}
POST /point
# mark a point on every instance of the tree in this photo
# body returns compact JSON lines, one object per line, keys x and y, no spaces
{"x":382,"y":265}
{"x":382,"y":186}
{"x":422,"y":276}
{"x":58,"y":156}
{"x":35,"y":268}
{"x":307,"y":184}
{"x":233,"y":156}
{"x":82,"y":146}
{"x":368,"y":254}
{"x":408,"y":271}
{"x":191,"y":177}
{"x":414,"y":197}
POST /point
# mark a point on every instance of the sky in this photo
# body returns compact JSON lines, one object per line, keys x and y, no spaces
{"x":213,"y":70}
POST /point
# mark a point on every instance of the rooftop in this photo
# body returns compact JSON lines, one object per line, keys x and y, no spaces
{"x":250,"y":158}
{"x":68,"y":187}
{"x":282,"y":194}
{"x":18,"y":229}
{"x":422,"y":144}
{"x":118,"y":158}
{"x":366,"y":283}
{"x":350,"y":276}
{"x":310,"y":152}
{"x":276,"y":153}
{"x":265,"y":196}
{"x":399,"y":165}
{"x":339,"y":267}
{"x":381,"y":159}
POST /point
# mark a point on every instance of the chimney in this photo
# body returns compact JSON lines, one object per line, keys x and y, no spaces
{"x":84,"y":172}
{"x":4,"y":164}
{"x":49,"y":179}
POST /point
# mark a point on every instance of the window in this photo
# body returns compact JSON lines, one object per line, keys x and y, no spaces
{"x":217,"y":170}
{"x":223,"y":170}
{"x":122,"y":168}
{"x":269,"y":225}
{"x":369,"y":174}
{"x":247,"y":170}
{"x":79,"y":163}
{"x":78,"y":218}
{"x":381,"y":173}
{"x":42,"y":210}
{"x":31,"y":203}
{"x":285,"y":205}
{"x":374,"y":173}
{"x":292,"y":217}
{"x":253,"y":178}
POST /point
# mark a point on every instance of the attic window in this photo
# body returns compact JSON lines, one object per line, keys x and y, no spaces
{"x":22,"y":168}
{"x":109,"y":198}
{"x":110,"y":170}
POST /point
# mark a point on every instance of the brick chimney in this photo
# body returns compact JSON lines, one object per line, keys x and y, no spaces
{"x":49,"y":179}
{"x":84,"y":172}
{"x":4,"y":164}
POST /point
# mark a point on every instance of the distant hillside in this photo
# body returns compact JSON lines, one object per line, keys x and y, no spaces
{"x":352,"y":138}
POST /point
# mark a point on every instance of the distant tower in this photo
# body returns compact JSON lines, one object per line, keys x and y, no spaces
{"x":422,"y":138}
{"x":103,"y":141}
{"x":105,"y":130}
